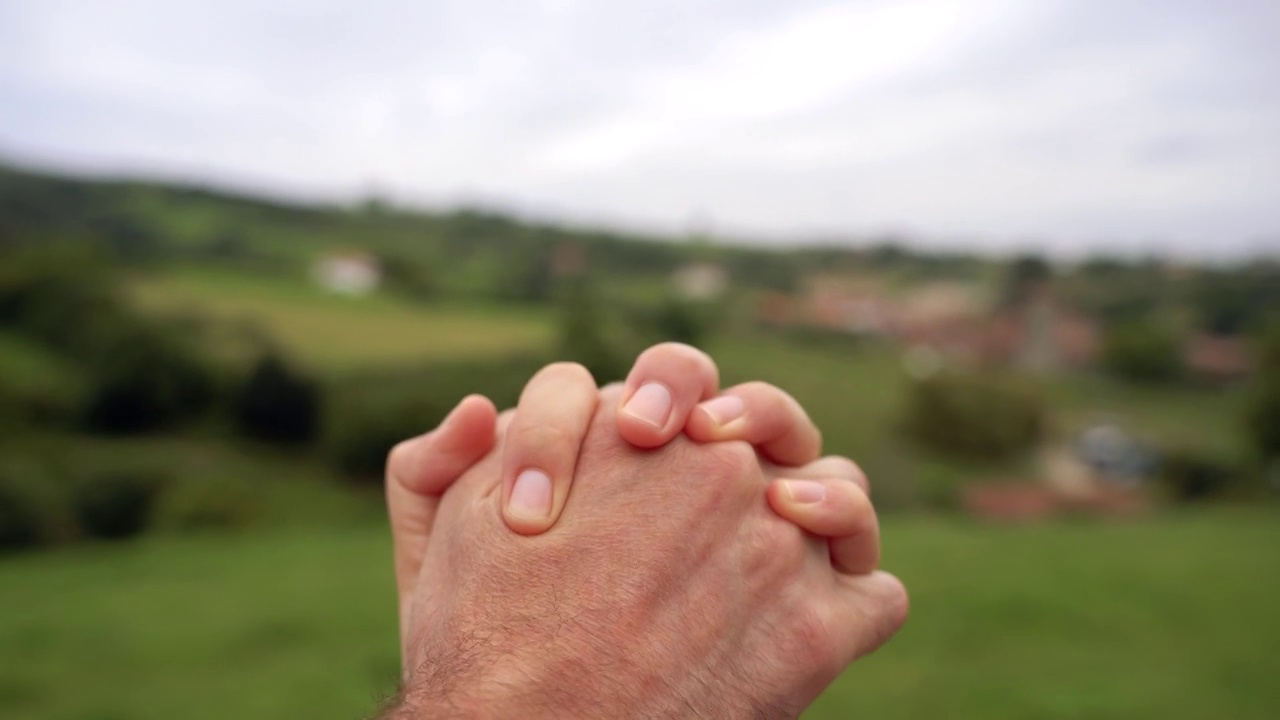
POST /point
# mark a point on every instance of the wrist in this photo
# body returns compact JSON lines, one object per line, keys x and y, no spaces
{"x":436,"y":695}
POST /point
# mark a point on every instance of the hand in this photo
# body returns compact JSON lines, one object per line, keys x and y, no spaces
{"x":661,"y":397}
{"x":556,"y":412}
{"x":668,"y":588}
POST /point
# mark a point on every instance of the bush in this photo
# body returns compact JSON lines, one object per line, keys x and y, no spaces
{"x":115,"y":506}
{"x":145,"y":379}
{"x":369,"y":415}
{"x":1142,"y":352}
{"x":37,"y":387}
{"x":1192,"y":476}
{"x":583,"y":338}
{"x":409,"y":276}
{"x":278,"y":404}
{"x":31,"y":511}
{"x":1262,"y":419}
{"x":359,"y":443}
{"x":680,"y":321}
{"x":974,"y":416}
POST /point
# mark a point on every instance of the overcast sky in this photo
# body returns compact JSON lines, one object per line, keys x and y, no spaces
{"x":1116,"y":124}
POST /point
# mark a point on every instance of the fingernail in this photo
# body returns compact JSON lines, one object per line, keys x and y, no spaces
{"x":805,"y":492}
{"x":724,"y":409}
{"x":650,"y":404}
{"x":531,"y":495}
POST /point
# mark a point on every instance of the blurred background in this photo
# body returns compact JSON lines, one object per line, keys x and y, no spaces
{"x":1018,"y":259}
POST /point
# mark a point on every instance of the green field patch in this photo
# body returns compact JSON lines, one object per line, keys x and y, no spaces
{"x":1169,"y":617}
{"x":335,"y":331}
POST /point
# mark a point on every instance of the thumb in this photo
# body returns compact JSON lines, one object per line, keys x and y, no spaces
{"x":420,"y":470}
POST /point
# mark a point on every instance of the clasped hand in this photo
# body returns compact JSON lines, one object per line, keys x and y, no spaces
{"x":654,"y":549}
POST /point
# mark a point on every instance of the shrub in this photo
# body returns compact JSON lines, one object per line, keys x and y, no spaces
{"x":1192,"y":475}
{"x":583,"y":338}
{"x":680,"y":321}
{"x":144,"y":379}
{"x":975,"y":416}
{"x":1142,"y":352}
{"x":37,"y":387}
{"x":31,"y":510}
{"x":369,"y":415}
{"x":1262,"y":420}
{"x":115,"y":506}
{"x":360,"y":441}
{"x":278,"y":404}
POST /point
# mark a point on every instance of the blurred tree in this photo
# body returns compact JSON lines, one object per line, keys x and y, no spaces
{"x":583,"y":338}
{"x":977,"y":416}
{"x":679,"y":321}
{"x":1191,"y":476}
{"x":32,"y":508}
{"x":278,"y":404}
{"x":115,"y":506}
{"x":143,"y":379}
{"x":368,"y":414}
{"x":528,"y":275}
{"x":1236,"y":300}
{"x":1142,"y":351}
{"x":1025,"y":275}
{"x":888,"y":253}
{"x":409,"y":275}
{"x":1262,"y":418}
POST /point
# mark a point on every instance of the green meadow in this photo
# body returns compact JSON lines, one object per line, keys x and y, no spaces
{"x":1169,"y":617}
{"x":340,"y":332}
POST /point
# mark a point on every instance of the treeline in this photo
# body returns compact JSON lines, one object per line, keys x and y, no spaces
{"x":484,"y":253}
{"x":79,"y":360}
{"x":460,"y":253}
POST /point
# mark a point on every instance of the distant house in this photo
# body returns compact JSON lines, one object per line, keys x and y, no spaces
{"x":850,"y":304}
{"x":941,"y":303}
{"x":776,"y":309}
{"x":942,"y":323}
{"x":945,"y":318}
{"x":348,"y":273}
{"x":1043,"y":337}
{"x":700,"y":281}
{"x":1217,"y":357}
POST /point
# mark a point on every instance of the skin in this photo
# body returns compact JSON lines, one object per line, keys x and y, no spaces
{"x":668,"y":588}
{"x":563,"y":414}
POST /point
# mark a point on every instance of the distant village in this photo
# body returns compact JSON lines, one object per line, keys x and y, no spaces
{"x":958,"y":324}
{"x":936,"y":324}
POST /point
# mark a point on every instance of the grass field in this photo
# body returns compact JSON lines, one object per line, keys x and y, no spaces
{"x":1165,"y":618}
{"x":335,"y":331}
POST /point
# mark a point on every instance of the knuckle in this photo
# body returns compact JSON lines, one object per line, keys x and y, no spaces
{"x":544,"y":440}
{"x":779,"y":550}
{"x":843,"y":468}
{"x":731,"y":461}
{"x":565,"y":372}
{"x":764,"y":396}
